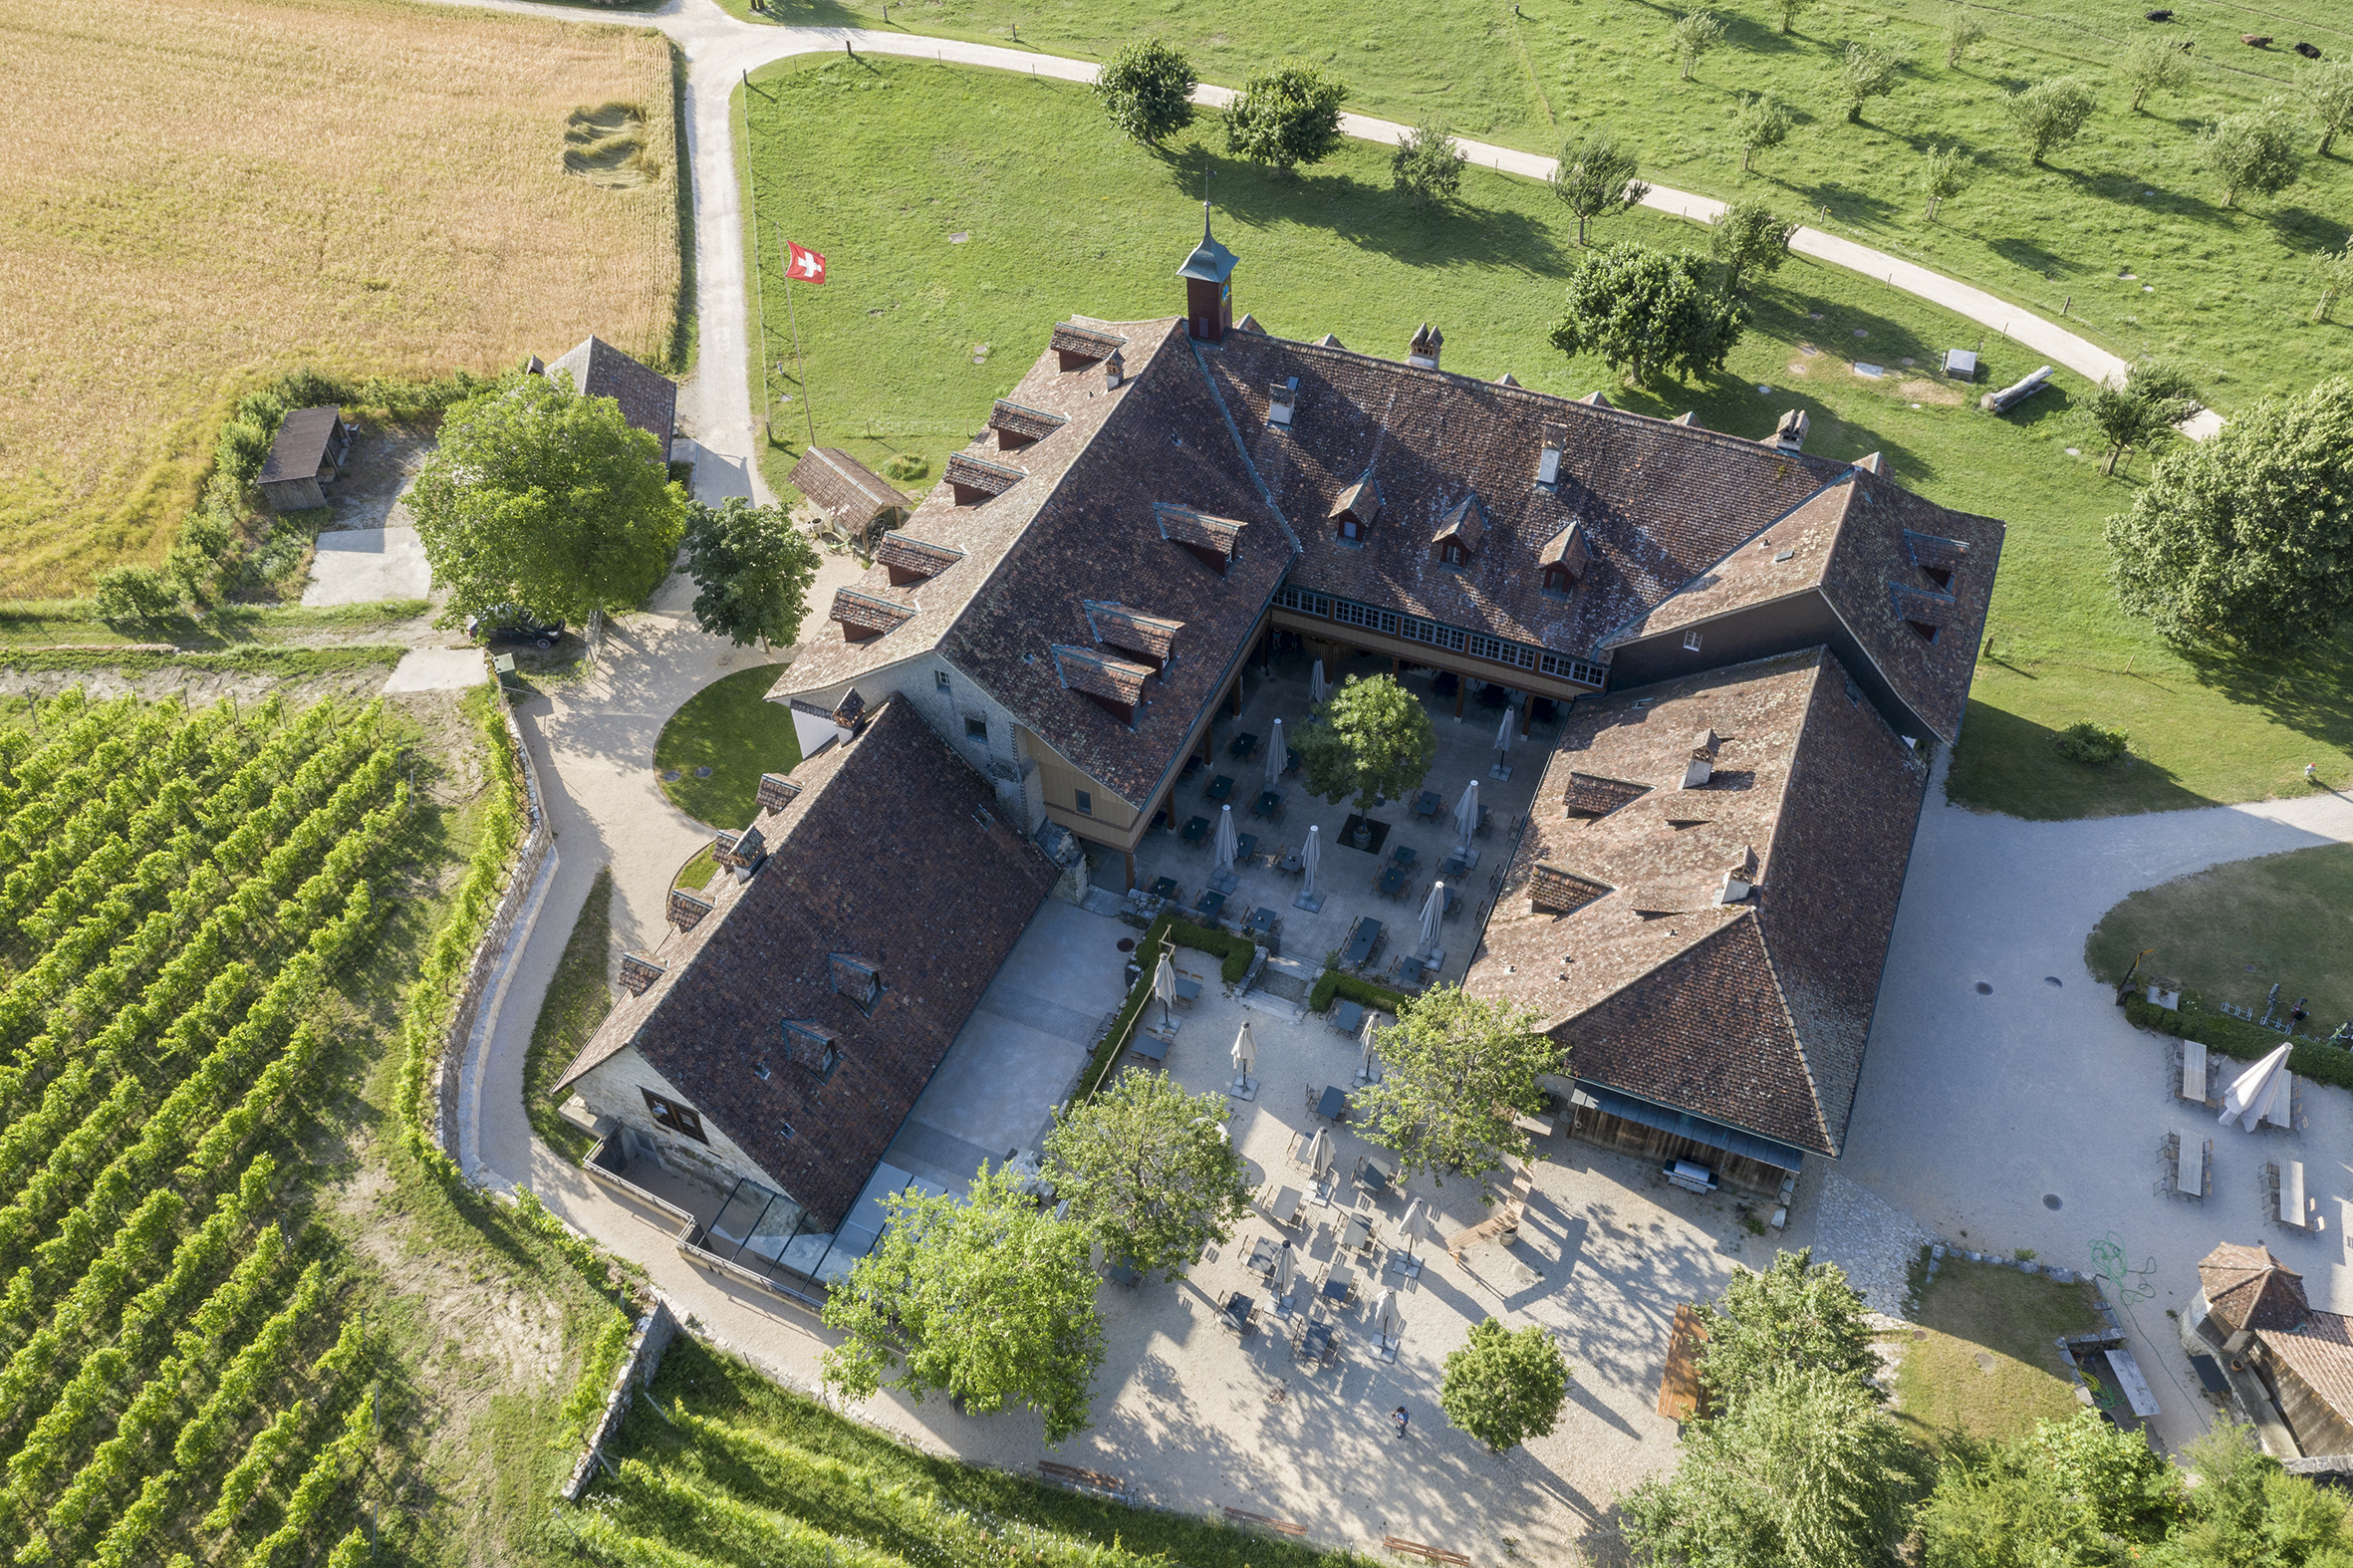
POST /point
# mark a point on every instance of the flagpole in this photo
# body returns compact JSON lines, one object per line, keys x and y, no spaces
{"x":799,"y":366}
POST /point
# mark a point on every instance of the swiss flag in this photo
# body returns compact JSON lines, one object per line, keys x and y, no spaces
{"x":805,"y":266}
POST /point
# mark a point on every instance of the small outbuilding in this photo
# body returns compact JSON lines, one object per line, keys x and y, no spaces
{"x":309,"y":452}
{"x":859,"y":504}
{"x":649,"y":399}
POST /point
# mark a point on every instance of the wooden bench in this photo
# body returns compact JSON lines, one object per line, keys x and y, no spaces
{"x":1405,"y":1548}
{"x":1504,"y":1224}
{"x":1093,"y":1481}
{"x":1261,"y":1522}
{"x":2292,"y":1194}
{"x":2194,"y":1071}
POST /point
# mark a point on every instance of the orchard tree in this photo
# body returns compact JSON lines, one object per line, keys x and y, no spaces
{"x":1697,"y":33}
{"x":1456,"y":1070}
{"x":1749,"y":237}
{"x":2333,"y":276}
{"x":2155,"y":64}
{"x":1944,"y":174}
{"x":2328,"y":88}
{"x":538,"y":496}
{"x":1147,"y":88}
{"x":2153,"y":397}
{"x":1428,"y":166}
{"x":2254,"y":152}
{"x":2049,"y":114}
{"x":1148,"y":1168}
{"x":1504,"y":1388}
{"x":753,"y":569}
{"x":1963,"y":33}
{"x":1372,"y":740}
{"x":2247,"y":537}
{"x":1866,"y":72}
{"x":1647,"y":312}
{"x":1595,"y":175}
{"x":1787,"y":11}
{"x":1762,"y":122}
{"x":981,"y":1296}
{"x":1798,"y":1314}
{"x":1286,"y":116}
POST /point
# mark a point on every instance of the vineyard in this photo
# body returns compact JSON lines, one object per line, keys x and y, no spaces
{"x":183,"y":1375}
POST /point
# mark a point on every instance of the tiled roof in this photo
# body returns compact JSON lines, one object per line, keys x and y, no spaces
{"x":882,"y":857}
{"x":1752,"y":1013}
{"x":1084,"y":669}
{"x":1031,"y":425}
{"x":1087,"y":343}
{"x":649,"y":399}
{"x":299,"y":449}
{"x":2320,"y":1352}
{"x":1592,"y":795}
{"x":1154,"y":636}
{"x":2248,"y":1289}
{"x":899,"y":552}
{"x":867,"y":612}
{"x":1560,"y":890}
{"x":843,"y":488}
{"x":968,"y":472}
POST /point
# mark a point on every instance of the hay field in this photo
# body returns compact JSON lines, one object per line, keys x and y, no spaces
{"x":202,"y":193}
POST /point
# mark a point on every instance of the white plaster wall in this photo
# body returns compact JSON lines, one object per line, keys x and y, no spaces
{"x":917,"y":681}
{"x":611,"y":1088}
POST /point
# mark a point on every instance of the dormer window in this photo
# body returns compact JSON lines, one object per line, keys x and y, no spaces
{"x":1115,"y":685}
{"x":809,"y":1044}
{"x":1922,"y":612}
{"x":1564,"y":559}
{"x":1452,"y":554}
{"x":1282,"y":399}
{"x":1357,"y":509}
{"x":1556,"y":439}
{"x":865,"y":616}
{"x":1459,"y":532}
{"x":1937,"y":559}
{"x":973,"y":481}
{"x":1018,"y":425}
{"x":854,"y":979}
{"x":1215,"y":542}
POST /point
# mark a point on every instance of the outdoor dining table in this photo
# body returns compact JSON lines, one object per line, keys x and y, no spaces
{"x":1393,"y":882}
{"x":1339,"y":1282}
{"x":1124,"y":1271}
{"x":1243,"y":745}
{"x":1238,"y":1309}
{"x":1210,"y":903}
{"x":1428,"y":804}
{"x":1196,"y":830}
{"x":1333,"y":1106}
{"x":1245,"y":847}
{"x":1357,"y":1234}
{"x":1347,"y":1017}
{"x":1262,"y":922}
{"x":1404,"y":854}
{"x":1457,"y":863}
{"x":1374,"y":1178}
{"x":1292,"y":865}
{"x":1316,"y":1344}
{"x":1409,"y":970}
{"x":1220,"y":788}
{"x":1150,"y":1046}
{"x":1284,"y":1211}
{"x":1367,"y":936}
{"x":1263,"y":1252}
{"x":1267,"y":804}
{"x":1165,"y":887}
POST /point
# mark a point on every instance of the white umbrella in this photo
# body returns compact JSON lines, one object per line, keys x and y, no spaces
{"x":1315,"y":685}
{"x":1466,"y":810}
{"x":1413,"y":1226}
{"x":2252,"y":1092}
{"x":1386,"y":1321}
{"x":1319,"y":1152}
{"x":1433,"y":910}
{"x":1503,"y":731}
{"x":1163,"y":985}
{"x":1245,"y":1056}
{"x":1365,"y":1072}
{"x":1284,"y":1265}
{"x":1311,"y":856}
{"x":1225,"y":842}
{"x":1277,"y":757}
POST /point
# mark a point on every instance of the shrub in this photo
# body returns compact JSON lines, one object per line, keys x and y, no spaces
{"x":1428,"y":166}
{"x":1363,"y":993}
{"x":2091,"y":743}
{"x":905,"y":467}
{"x":136,"y":593}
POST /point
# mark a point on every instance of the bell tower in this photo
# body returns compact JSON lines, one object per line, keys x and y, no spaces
{"x":1209,"y":287}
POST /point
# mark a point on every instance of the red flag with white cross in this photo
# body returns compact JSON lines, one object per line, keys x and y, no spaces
{"x":805,"y":266}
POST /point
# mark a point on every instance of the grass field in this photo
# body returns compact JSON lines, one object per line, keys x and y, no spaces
{"x":210,"y":194}
{"x":1981,"y":1361}
{"x":2233,"y":932}
{"x":915,"y":335}
{"x":732,"y":728}
{"x":578,"y":998}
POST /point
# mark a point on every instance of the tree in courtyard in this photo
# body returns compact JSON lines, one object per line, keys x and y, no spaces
{"x":1797,"y":1313}
{"x":2332,"y":275}
{"x":1808,"y":1472}
{"x":1944,"y":174}
{"x":2328,"y":88}
{"x":1286,"y":116}
{"x":1147,"y":88}
{"x":1148,"y":1168}
{"x":2255,"y":152}
{"x":1455,"y":1070}
{"x":2247,"y":1512}
{"x":1749,"y":237}
{"x":1647,"y":313}
{"x":2153,"y":399}
{"x":2049,"y":114}
{"x":1864,"y":71}
{"x":981,"y":1296}
{"x":1504,"y":1388}
{"x":1787,"y":11}
{"x":2155,"y":64}
{"x":541,"y":497}
{"x":1595,"y":175}
{"x":1762,"y":122}
{"x":1428,"y":166}
{"x":2247,"y":537}
{"x":2067,"y":1491}
{"x":1696,"y":33}
{"x":1373,"y":742}
{"x":1963,"y":33}
{"x":753,"y":569}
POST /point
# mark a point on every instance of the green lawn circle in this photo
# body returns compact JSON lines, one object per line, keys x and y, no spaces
{"x":730,"y":727}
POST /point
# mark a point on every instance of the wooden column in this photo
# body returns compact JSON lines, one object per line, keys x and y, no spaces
{"x":1130,"y":854}
{"x":1462,"y":690}
{"x":1527,"y":713}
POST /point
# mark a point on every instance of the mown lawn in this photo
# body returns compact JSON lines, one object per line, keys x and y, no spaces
{"x":578,"y":998}
{"x":2233,"y":932}
{"x":1981,"y":1359}
{"x":732,"y":728}
{"x":916,"y":332}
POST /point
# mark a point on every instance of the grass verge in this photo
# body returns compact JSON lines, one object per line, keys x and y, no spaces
{"x":577,"y":1001}
{"x":732,"y":728}
{"x":2234,"y":931}
{"x":1981,"y":1359}
{"x":252,"y":660}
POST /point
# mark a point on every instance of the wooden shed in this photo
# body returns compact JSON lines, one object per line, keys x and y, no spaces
{"x":309,"y":452}
{"x":859,"y":504}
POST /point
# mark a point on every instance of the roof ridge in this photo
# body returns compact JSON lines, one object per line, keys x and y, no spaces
{"x":1241,"y":449}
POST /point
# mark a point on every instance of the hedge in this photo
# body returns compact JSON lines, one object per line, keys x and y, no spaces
{"x":1362,"y":993}
{"x":1108,"y":1049}
{"x":2235,"y":1037}
{"x":1237,"y":952}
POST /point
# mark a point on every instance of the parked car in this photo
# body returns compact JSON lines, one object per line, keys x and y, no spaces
{"x":513,"y":624}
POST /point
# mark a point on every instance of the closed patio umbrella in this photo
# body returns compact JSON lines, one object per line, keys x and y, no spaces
{"x":1319,"y":1152}
{"x":2252,"y":1092}
{"x":1311,"y":855}
{"x":1503,"y":731}
{"x":1277,"y":757}
{"x":1225,"y":843}
{"x":1433,"y":910}
{"x":1163,"y":985}
{"x":1245,"y":1057}
{"x":1366,"y":1072}
{"x":1386,"y":1322}
{"x":1315,"y":685}
{"x":1467,"y":811}
{"x":1287,"y":1267}
{"x":1412,"y":1228}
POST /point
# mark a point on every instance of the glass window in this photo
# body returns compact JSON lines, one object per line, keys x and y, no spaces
{"x":1086,"y":803}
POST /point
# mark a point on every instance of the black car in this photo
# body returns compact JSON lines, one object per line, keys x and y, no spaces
{"x":513,"y":624}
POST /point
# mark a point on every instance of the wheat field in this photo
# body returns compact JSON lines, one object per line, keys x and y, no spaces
{"x":204,"y":193}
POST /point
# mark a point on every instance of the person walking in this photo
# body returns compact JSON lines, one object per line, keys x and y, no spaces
{"x":1398,"y":1419}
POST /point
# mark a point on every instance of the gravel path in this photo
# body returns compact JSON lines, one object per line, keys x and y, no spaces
{"x":1868,"y":1237}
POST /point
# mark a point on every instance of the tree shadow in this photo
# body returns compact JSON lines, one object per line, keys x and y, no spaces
{"x":2034,"y":257}
{"x":2309,"y":692}
{"x":2301,"y":229}
{"x":1842,"y":201}
{"x":2008,"y":764}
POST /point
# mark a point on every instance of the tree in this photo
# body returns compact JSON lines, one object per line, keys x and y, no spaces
{"x":1787,"y":11}
{"x":541,"y":497}
{"x":980,"y":1296}
{"x":1455,"y":1070}
{"x":1944,"y":174}
{"x":1807,"y":1472}
{"x":2155,"y":64}
{"x":1595,"y":175}
{"x":1428,"y":164}
{"x":2328,"y":88}
{"x":1646,"y":312}
{"x":2332,"y":275}
{"x":1147,"y":88}
{"x":1866,"y":72}
{"x":136,"y":593}
{"x":1504,"y":1388}
{"x":1963,"y":33}
{"x":2142,"y":411}
{"x":2049,"y":114}
{"x":1697,"y":33}
{"x":2247,"y":537}
{"x":2246,"y":1512}
{"x":753,"y":569}
{"x":1372,"y":740}
{"x":1148,"y":1168}
{"x":1762,"y":122}
{"x":1749,"y":236}
{"x":1286,"y":116}
{"x":1798,"y":1314}
{"x":2254,"y":152}
{"x":2067,"y":1491}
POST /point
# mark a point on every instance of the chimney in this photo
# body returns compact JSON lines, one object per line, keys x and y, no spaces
{"x":1791,"y":434}
{"x":1740,"y":879}
{"x":1422,"y":351}
{"x":1702,"y":767}
{"x":1209,"y":287}
{"x":1115,"y":370}
{"x":1687,"y":419}
{"x":1282,"y":397}
{"x":1548,"y":461}
{"x":1875,"y":463}
{"x":639,"y":973}
{"x":776,"y":791}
